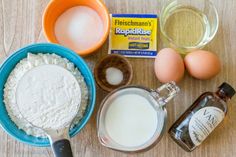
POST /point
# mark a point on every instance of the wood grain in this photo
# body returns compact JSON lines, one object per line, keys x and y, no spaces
{"x":20,"y":25}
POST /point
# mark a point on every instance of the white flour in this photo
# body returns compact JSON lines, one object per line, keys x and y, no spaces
{"x":48,"y":96}
{"x":24,"y":67}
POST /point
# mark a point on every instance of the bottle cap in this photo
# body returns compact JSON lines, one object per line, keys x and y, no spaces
{"x":228,"y":89}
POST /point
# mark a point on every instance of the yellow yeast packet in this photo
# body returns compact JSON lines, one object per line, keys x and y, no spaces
{"x":133,"y":35}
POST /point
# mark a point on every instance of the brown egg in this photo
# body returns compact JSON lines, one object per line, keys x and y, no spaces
{"x":169,"y":66}
{"x":202,"y":64}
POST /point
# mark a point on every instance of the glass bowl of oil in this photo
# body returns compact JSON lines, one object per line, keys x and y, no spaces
{"x":187,"y":25}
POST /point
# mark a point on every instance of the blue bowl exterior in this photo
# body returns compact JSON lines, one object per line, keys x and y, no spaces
{"x":8,"y":125}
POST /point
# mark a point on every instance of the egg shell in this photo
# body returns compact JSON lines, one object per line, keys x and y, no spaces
{"x":202,"y":64}
{"x":169,"y":66}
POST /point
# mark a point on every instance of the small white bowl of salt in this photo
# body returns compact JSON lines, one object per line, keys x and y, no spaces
{"x":112,"y":72}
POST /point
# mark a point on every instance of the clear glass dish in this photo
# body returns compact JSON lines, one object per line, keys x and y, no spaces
{"x":187,"y":25}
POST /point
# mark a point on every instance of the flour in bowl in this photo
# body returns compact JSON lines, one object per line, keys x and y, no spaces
{"x":67,"y":91}
{"x":48,"y":96}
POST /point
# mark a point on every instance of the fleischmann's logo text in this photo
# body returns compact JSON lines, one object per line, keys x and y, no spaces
{"x":132,"y":23}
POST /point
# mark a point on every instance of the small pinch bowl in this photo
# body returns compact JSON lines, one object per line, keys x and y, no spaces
{"x":5,"y":121}
{"x":116,"y":61}
{"x":57,"y":7}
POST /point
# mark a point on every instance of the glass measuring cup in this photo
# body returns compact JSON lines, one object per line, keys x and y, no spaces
{"x":187,"y":25}
{"x":157,"y":100}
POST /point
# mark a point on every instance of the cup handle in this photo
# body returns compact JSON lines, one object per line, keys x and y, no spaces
{"x":165,"y":93}
{"x":60,"y":143}
{"x":62,"y":148}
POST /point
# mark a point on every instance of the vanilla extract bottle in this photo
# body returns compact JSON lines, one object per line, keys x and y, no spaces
{"x":200,"y":119}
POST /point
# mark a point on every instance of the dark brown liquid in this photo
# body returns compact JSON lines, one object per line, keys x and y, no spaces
{"x":180,"y":129}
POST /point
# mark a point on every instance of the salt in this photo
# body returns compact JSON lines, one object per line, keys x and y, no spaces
{"x":114,"y":76}
{"x":79,"y":28}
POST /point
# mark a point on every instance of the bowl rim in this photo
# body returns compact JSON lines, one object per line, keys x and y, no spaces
{"x":90,"y":76}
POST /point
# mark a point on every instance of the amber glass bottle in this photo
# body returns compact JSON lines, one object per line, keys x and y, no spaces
{"x":193,"y":127}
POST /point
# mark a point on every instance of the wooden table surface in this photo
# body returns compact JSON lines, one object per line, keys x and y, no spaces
{"x":20,"y":25}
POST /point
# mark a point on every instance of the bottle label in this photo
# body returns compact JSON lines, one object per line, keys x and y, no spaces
{"x":203,"y":122}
